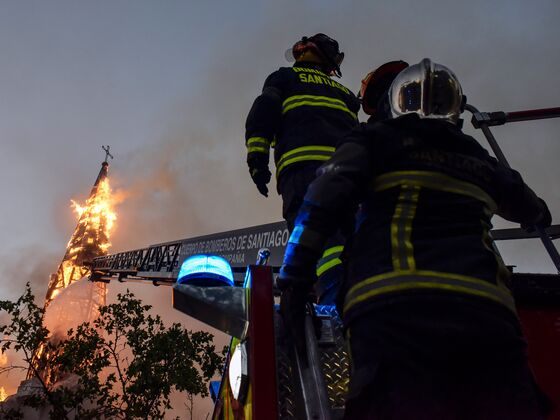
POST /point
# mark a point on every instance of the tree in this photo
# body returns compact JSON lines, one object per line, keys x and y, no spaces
{"x":124,"y":365}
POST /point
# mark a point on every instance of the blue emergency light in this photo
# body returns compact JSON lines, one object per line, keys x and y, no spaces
{"x":205,"y":270}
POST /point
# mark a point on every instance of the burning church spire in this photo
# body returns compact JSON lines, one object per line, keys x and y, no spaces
{"x":90,"y":238}
{"x":70,"y":306}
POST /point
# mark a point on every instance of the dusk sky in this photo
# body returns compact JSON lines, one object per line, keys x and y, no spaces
{"x":168,"y":85}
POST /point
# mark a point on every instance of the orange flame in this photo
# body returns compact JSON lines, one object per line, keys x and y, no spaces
{"x":3,"y":394}
{"x":98,"y":215}
{"x":77,"y":208}
{"x":91,"y":238}
{"x":96,"y":220}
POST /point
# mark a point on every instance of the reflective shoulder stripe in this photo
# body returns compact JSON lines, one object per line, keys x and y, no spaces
{"x":434,"y":181}
{"x":330,"y":259}
{"x":314,"y":100}
{"x":396,"y":281}
{"x":317,"y":153}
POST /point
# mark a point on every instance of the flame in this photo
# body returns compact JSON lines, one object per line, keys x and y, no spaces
{"x":55,"y":293}
{"x":91,"y":238}
{"x":3,"y":362}
{"x":97,"y":216}
{"x":77,"y":208}
{"x":96,"y":220}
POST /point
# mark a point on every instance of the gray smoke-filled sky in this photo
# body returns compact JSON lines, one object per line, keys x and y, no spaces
{"x":168,"y":85}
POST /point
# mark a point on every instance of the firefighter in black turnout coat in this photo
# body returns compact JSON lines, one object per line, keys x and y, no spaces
{"x":302,"y":113}
{"x":432,"y":325}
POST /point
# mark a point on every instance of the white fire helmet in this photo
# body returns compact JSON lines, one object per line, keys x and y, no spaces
{"x":429,"y":90}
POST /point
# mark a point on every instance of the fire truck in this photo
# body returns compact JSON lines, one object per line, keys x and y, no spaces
{"x":227,"y":281}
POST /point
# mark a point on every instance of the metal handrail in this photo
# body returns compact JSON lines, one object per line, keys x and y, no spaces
{"x":484,"y":120}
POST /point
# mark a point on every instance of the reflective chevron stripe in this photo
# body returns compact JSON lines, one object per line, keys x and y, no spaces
{"x":330,"y":259}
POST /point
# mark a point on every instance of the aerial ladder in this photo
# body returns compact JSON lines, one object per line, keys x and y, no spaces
{"x":266,"y":375}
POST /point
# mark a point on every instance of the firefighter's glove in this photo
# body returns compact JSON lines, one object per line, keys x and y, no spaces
{"x":261,"y":177}
{"x":299,"y":267}
{"x":543,"y":220}
{"x":258,"y":168}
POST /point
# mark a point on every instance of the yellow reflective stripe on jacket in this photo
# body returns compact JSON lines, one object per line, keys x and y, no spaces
{"x":401,"y":228}
{"x":329,"y":259}
{"x":313,"y":100}
{"x":333,"y":250}
{"x":320,"y":153}
{"x":328,"y":265}
{"x":434,"y":181}
{"x":405,"y":280}
{"x":258,"y":144}
{"x":257,"y":150}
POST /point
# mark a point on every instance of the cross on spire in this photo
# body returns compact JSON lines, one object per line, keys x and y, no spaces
{"x":107,"y":153}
